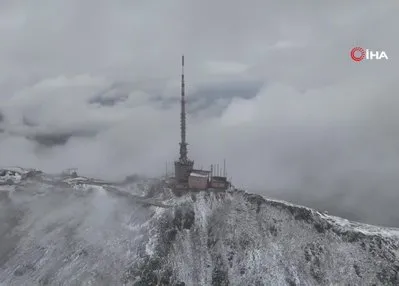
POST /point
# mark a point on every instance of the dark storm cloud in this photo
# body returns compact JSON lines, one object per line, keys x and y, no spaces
{"x":270,"y":87}
{"x":50,"y":140}
{"x":58,"y":139}
{"x":108,"y":101}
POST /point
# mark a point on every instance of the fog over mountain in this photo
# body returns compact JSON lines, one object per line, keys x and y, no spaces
{"x":270,"y":85}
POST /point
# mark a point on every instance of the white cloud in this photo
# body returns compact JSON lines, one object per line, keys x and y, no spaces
{"x":226,"y":68}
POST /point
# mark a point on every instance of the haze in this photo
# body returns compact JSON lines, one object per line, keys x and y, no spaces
{"x":271,"y":88}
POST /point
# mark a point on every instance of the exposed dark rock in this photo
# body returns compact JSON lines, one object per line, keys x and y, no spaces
{"x":145,"y":272}
{"x":273,"y":230}
{"x":23,"y":269}
{"x":350,"y":236}
{"x":32,"y":174}
{"x":363,"y":245}
{"x":256,"y":200}
{"x":388,"y":276}
{"x":184,"y":217}
{"x":211,"y":240}
{"x":290,"y":282}
{"x":45,"y":280}
{"x":219,"y":274}
{"x":244,"y":241}
{"x":319,"y":227}
{"x":166,"y":277}
{"x":357,"y":270}
{"x":315,"y":254}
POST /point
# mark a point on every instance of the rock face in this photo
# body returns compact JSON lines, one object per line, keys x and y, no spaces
{"x":77,"y":233}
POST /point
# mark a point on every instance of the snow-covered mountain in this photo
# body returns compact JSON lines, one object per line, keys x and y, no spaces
{"x":68,"y":230}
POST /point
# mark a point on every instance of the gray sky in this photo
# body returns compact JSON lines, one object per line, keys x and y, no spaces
{"x":271,"y":88}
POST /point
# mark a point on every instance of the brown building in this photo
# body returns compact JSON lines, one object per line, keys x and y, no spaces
{"x":198,"y":180}
{"x":219,"y":182}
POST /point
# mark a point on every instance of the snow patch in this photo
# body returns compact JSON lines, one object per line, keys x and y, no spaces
{"x":10,"y":175}
{"x":75,"y":180}
{"x":361,"y":227}
{"x":151,"y":245}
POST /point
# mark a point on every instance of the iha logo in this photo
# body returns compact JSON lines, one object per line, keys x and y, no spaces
{"x":358,"y":54}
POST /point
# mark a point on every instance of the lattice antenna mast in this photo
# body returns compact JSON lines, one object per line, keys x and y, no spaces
{"x":183,"y":144}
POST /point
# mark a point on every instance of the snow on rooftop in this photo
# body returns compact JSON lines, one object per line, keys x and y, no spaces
{"x":197,"y":174}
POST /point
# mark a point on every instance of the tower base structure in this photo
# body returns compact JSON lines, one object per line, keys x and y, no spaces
{"x":183,"y":170}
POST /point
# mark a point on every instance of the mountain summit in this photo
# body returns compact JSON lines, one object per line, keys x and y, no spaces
{"x":71,"y":230}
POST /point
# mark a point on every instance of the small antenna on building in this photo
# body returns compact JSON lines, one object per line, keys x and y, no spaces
{"x":224,"y":167}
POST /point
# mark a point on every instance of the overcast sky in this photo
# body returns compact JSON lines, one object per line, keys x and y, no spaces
{"x":271,"y":87}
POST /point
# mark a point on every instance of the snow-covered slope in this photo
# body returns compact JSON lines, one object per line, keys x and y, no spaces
{"x":63,"y":231}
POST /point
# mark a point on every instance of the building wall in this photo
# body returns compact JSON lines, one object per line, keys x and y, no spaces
{"x":218,"y":184}
{"x":182,"y":170}
{"x":200,"y":183}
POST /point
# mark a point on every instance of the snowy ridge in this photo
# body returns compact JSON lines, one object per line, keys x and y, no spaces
{"x":62,"y":230}
{"x":345,"y":224}
{"x":241,"y":239}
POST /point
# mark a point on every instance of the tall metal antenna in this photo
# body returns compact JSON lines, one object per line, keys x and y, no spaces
{"x":183,"y":144}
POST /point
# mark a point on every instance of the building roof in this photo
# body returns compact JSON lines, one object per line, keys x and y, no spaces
{"x":202,"y":172}
{"x":198,"y":174}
